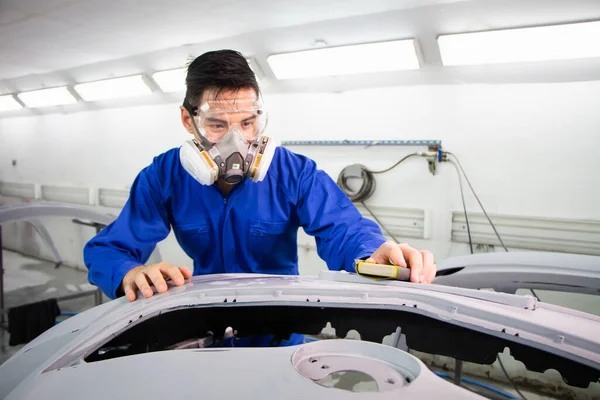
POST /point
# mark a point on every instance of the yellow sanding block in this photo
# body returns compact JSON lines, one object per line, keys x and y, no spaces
{"x":382,"y":271}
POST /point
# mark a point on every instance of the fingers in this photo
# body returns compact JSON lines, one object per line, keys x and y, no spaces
{"x":388,"y":253}
{"x":395,"y":256}
{"x":155,"y":275}
{"x":415,"y":262}
{"x":429,"y":267}
{"x":431,"y":275}
{"x":129,"y":290}
{"x":187,"y":273}
{"x":421,"y":263}
{"x":143,"y":278}
{"x":141,"y":281}
{"x":129,"y":286}
{"x":173,"y":273}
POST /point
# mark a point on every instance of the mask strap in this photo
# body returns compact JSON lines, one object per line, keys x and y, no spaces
{"x":204,"y":144}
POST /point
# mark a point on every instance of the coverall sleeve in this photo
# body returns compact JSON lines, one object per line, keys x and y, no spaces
{"x":129,"y":241}
{"x":325,"y":212}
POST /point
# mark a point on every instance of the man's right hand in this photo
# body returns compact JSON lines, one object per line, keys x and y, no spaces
{"x":144,"y":277}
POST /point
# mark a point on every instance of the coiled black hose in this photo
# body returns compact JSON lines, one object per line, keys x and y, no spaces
{"x":367,"y":188}
{"x":359,"y":171}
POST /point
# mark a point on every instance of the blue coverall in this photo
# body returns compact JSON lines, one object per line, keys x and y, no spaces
{"x":252,"y":229}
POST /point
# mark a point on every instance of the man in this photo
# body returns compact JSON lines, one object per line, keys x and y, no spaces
{"x":234,"y":200}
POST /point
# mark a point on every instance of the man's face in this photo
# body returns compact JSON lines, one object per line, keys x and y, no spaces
{"x":231,"y":110}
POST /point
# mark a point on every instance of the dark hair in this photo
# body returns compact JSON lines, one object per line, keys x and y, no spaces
{"x":217,"y":70}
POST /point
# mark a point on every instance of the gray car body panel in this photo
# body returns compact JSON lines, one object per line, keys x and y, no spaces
{"x":54,"y":361}
{"x":509,"y":271}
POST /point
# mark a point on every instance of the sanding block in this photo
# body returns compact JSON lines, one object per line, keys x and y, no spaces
{"x":382,"y":271}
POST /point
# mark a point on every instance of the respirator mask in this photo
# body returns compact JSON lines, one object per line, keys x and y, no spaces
{"x":232,"y":145}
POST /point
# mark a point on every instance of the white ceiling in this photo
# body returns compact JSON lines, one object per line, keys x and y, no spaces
{"x":41,"y":36}
{"x":48,"y":43}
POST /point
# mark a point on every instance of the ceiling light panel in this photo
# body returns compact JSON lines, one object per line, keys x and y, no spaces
{"x":172,"y":80}
{"x":346,"y":60}
{"x":8,"y":103}
{"x":557,"y":42}
{"x":58,"y":96}
{"x":118,"y":88}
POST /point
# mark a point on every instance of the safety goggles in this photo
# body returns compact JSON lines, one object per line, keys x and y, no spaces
{"x":219,"y":117}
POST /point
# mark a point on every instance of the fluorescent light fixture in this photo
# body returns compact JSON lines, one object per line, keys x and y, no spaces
{"x":557,"y":42}
{"x":8,"y":103}
{"x":58,"y":96}
{"x":118,"y":88}
{"x":172,"y":80}
{"x":346,"y":60}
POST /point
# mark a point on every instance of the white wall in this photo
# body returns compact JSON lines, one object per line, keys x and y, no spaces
{"x":529,"y":149}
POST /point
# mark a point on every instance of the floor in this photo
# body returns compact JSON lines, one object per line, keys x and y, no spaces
{"x":27,"y":280}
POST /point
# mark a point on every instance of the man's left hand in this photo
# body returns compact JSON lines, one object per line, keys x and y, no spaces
{"x":421,"y":263}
